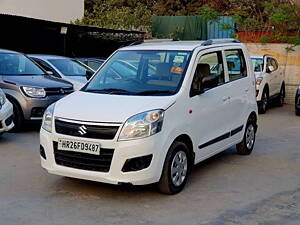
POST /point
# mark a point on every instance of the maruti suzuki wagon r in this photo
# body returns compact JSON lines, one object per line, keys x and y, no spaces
{"x":152,"y":111}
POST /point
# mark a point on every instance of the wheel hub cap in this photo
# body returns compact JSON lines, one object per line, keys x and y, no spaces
{"x":250,"y":136}
{"x":179,"y":168}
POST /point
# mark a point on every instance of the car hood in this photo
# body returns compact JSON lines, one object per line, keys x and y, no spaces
{"x":43,"y":81}
{"x":77,"y":81}
{"x":94,"y":107}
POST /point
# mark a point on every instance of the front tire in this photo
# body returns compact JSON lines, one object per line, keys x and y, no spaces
{"x":280,"y":99}
{"x":176,"y":169}
{"x":18,"y":118}
{"x":246,"y":146}
{"x":263,"y":103}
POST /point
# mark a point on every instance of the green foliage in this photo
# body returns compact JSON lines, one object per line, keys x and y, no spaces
{"x":115,"y":14}
{"x":209,"y":13}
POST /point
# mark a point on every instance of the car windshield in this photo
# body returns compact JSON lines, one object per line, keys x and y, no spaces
{"x":69,"y":67}
{"x":18,"y":64}
{"x":258,"y":64}
{"x":141,"y":73}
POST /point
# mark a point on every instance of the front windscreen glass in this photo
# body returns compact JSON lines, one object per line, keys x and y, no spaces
{"x":69,"y":67}
{"x":18,"y":64}
{"x":141,"y":73}
{"x":258,"y":64}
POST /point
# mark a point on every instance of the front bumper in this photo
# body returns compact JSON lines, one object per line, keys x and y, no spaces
{"x":122,"y":151}
{"x":6,"y":113}
{"x":33,"y":108}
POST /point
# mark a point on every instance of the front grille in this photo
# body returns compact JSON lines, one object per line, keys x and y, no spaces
{"x":90,"y":131}
{"x":84,"y":161}
{"x":58,"y":91}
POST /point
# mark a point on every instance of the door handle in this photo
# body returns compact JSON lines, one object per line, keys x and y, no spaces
{"x":246,"y":90}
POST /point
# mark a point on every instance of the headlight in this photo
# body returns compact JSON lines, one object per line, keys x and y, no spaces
{"x":34,"y":92}
{"x":2,"y":98}
{"x":48,"y":118}
{"x":142,"y":125}
{"x":259,"y":80}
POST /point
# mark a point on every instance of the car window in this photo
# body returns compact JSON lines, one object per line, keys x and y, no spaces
{"x":143,"y":72}
{"x":236,"y":64}
{"x":46,"y":66}
{"x":209,"y":69}
{"x":272,"y":63}
{"x":94,"y":64}
{"x":18,"y":64}
{"x":258,"y":64}
{"x":69,"y":67}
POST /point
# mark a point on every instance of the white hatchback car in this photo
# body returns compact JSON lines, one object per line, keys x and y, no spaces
{"x":270,"y":83}
{"x":6,"y":114}
{"x":175,"y":104}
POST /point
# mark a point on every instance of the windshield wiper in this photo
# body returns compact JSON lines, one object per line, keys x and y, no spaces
{"x":153,"y":92}
{"x":110,"y":91}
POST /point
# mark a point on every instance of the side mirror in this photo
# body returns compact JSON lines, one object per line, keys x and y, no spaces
{"x":89,"y":74}
{"x":270,"y":69}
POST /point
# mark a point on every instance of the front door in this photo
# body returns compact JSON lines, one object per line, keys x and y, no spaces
{"x":211,"y":111}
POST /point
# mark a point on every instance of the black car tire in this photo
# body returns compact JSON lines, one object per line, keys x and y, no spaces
{"x":280,"y":98}
{"x":243,"y":148}
{"x":166,"y":185}
{"x":18,"y":118}
{"x":263,"y":103}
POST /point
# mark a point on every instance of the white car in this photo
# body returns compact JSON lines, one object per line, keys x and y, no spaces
{"x":179,"y":106}
{"x":270,"y":83}
{"x":66,"y":68}
{"x":6,"y":114}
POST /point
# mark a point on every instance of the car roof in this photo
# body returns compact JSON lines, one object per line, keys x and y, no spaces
{"x":9,"y":51}
{"x":46,"y":57}
{"x":260,"y":56}
{"x":178,"y":45}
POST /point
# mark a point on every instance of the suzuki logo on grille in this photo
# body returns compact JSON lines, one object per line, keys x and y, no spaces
{"x":82,"y":130}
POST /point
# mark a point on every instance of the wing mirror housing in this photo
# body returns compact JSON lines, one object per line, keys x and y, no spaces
{"x":89,"y":74}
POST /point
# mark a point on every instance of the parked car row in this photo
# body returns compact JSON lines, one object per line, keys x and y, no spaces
{"x":148,"y":115}
{"x":33,"y":82}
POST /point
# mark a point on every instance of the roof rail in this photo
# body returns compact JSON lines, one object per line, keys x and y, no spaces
{"x":219,"y":41}
{"x":152,"y":41}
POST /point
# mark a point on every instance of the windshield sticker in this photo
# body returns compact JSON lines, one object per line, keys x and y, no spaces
{"x":178,"y":59}
{"x":177,"y":69}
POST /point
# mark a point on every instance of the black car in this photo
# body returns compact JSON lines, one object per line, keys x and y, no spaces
{"x":297,"y":102}
{"x":93,"y":63}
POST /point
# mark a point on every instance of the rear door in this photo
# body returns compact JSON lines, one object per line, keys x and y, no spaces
{"x":238,"y":85}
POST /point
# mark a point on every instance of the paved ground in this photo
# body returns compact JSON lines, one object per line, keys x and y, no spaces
{"x":261,"y":189}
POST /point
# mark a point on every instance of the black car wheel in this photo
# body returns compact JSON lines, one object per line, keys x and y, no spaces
{"x":280,"y":98}
{"x":263,"y":103}
{"x":18,"y":118}
{"x":176,"y":169}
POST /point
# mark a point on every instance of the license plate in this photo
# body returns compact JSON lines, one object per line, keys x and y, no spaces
{"x":79,"y":146}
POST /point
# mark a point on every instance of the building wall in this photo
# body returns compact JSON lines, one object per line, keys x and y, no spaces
{"x":289,"y":62}
{"x":54,"y":10}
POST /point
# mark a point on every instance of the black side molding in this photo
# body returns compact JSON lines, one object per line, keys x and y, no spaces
{"x":222,"y":137}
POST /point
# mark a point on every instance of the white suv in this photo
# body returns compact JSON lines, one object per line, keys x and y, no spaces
{"x":152,"y":111}
{"x":269,"y":81}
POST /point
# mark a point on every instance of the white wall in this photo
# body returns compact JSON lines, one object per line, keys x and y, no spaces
{"x":53,"y":10}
